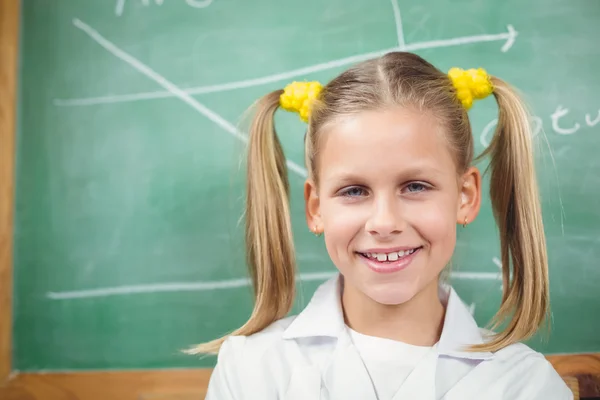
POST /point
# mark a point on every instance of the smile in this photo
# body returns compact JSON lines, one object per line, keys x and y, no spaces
{"x":390,"y":261}
{"x":393,"y":256}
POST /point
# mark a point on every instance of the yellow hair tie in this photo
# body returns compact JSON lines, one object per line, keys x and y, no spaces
{"x":472,"y":84}
{"x":299,"y":97}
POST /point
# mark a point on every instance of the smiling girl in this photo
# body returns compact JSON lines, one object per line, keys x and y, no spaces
{"x":389,"y":154}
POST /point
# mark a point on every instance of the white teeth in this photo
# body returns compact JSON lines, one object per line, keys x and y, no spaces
{"x":390,"y":256}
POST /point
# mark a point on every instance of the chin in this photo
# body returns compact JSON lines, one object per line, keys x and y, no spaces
{"x":390,"y":294}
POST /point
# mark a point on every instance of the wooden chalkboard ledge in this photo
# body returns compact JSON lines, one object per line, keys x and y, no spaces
{"x":184,"y":384}
{"x":187,"y":384}
{"x":576,"y":364}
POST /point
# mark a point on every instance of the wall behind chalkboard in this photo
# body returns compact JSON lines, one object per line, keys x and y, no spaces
{"x":129,"y":186}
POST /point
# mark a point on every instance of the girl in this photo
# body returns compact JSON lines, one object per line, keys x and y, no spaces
{"x":389,"y":154}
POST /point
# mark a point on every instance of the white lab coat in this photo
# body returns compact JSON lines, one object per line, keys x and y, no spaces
{"x":311,"y":356}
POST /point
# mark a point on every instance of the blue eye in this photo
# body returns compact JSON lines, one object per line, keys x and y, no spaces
{"x":416,"y":187}
{"x":353,"y":191}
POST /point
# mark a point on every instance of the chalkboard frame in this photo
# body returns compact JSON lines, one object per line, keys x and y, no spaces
{"x":155,"y":384}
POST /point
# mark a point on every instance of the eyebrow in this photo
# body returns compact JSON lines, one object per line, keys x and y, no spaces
{"x":344,"y":177}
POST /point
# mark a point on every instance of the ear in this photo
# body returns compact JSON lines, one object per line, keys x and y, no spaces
{"x":469,"y":201}
{"x":312,"y":207}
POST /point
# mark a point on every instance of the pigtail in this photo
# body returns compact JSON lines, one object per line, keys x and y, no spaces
{"x":269,"y":243}
{"x":517,"y":210}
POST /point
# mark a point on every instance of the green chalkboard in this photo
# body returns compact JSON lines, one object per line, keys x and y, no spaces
{"x":129,"y":186}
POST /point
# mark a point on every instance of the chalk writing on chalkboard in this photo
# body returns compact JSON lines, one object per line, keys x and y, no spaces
{"x":120,"y":5}
{"x":170,"y":89}
{"x":560,"y":121}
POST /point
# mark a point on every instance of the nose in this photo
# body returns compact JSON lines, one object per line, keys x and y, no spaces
{"x":385,"y":218}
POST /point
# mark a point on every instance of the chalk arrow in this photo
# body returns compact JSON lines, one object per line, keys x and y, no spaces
{"x":512,"y":35}
{"x":508,"y":36}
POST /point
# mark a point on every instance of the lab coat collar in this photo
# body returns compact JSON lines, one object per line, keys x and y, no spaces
{"x":460,"y":329}
{"x":323,"y":317}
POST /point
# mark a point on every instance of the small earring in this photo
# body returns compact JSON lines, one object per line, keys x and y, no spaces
{"x":316,"y":231}
{"x":465,"y":223}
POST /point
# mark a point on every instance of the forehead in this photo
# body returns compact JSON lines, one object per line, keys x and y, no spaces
{"x":384,"y":141}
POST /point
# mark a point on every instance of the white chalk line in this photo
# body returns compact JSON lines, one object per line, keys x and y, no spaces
{"x":215,"y":285}
{"x":398,"y":21}
{"x":199,"y":4}
{"x":119,"y":7}
{"x":223,"y":87}
{"x":476,"y":275}
{"x":171,"y":88}
{"x":497,"y":261}
{"x":509,"y":36}
{"x":172,"y":287}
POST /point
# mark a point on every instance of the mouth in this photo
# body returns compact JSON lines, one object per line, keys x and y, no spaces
{"x":387,"y":262}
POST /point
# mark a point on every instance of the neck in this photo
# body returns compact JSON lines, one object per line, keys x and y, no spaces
{"x":419,"y":321}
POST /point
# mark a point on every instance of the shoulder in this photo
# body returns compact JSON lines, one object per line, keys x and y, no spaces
{"x":527,"y":374}
{"x":257,"y":345}
{"x":250,"y":361}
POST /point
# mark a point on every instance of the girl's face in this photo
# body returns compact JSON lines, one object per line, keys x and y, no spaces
{"x":388,"y":202}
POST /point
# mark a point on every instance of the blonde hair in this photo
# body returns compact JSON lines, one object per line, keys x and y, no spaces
{"x":405,"y":80}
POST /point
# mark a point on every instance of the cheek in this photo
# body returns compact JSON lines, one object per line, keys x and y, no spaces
{"x":437,"y":223}
{"x":341,"y":224}
{"x":340,"y":219}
